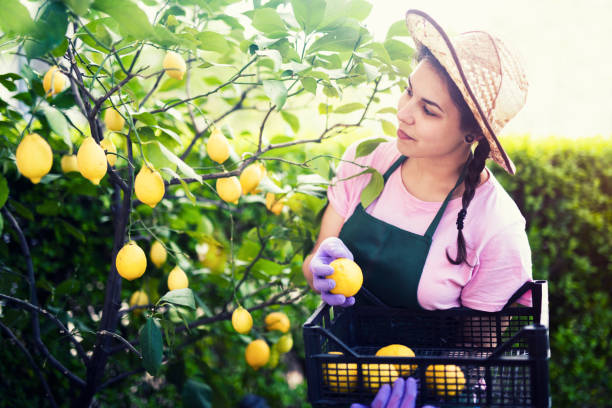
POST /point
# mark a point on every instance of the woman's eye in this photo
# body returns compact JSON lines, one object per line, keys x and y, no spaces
{"x":408,"y":91}
{"x":427,"y":111}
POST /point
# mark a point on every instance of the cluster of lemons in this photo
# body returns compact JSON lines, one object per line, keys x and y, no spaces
{"x":35,"y":158}
{"x":258,"y":353}
{"x":446,"y":380}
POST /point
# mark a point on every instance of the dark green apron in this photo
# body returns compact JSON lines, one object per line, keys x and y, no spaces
{"x":391,"y":258}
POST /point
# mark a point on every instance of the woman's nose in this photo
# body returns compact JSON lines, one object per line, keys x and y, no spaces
{"x":405,"y":112}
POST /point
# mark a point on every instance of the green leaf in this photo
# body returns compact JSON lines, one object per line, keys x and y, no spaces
{"x":388,"y":127}
{"x":398,"y":50}
{"x":165,"y":37}
{"x":310,"y":85}
{"x":4,"y":191}
{"x":269,"y":22}
{"x":367,"y":146}
{"x":398,"y":29}
{"x":131,"y":19}
{"x":151,"y":346}
{"x":58,"y":123}
{"x":389,"y":109}
{"x":8,"y":80}
{"x":19,"y":21}
{"x":22,"y":210}
{"x":276,"y":92}
{"x":196,"y":394}
{"x":72,"y":230}
{"x":380,"y":52}
{"x":1,"y":223}
{"x":339,"y":39}
{"x":349,"y":107}
{"x":324,"y":109}
{"x":272,"y":55}
{"x":308,"y":13}
{"x":80,"y":7}
{"x":292,"y":120}
{"x":182,"y":166}
{"x":358,"y":9}
{"x":211,"y":41}
{"x":173,"y":174}
{"x":179,"y":297}
{"x":48,"y":32}
{"x":373,"y":189}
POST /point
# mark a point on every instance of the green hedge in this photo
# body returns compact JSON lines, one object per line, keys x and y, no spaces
{"x":563,"y":187}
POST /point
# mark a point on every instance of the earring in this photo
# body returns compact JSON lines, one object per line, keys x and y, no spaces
{"x":469,"y":138}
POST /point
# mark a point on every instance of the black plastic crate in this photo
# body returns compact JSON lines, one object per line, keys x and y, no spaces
{"x":503,"y":356}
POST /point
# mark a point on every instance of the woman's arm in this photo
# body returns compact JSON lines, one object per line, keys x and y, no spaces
{"x":331,"y":224}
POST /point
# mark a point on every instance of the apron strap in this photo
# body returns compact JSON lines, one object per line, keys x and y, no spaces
{"x":434,"y":224}
{"x":394,"y":166}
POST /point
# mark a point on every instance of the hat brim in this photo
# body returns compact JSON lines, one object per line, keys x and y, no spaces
{"x":425,"y":31}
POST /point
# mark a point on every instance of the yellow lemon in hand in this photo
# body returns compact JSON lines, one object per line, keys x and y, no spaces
{"x":113,"y":120}
{"x":257,"y":354}
{"x":347,"y":275}
{"x":91,"y":160}
{"x":445,"y":379}
{"x":69,"y":163}
{"x":340,"y":377}
{"x":242,"y":321}
{"x":399,"y":350}
{"x":34,"y":157}
{"x":109,"y":147}
{"x":158,"y":254}
{"x":251,"y":176}
{"x":218,"y":147}
{"x":131,"y":261}
{"x":275,"y":206}
{"x":53,"y":81}
{"x":277,"y":321}
{"x":229,"y":189}
{"x":149,"y":186}
{"x":174,"y":65}
{"x":139,"y":298}
{"x":177,"y":279}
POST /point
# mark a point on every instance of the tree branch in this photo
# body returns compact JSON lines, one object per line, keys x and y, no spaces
{"x":37,"y":369}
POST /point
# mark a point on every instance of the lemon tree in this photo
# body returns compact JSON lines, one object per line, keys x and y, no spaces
{"x":164,"y":148}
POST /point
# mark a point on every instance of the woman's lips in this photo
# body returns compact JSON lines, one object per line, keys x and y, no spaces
{"x":402,"y":135}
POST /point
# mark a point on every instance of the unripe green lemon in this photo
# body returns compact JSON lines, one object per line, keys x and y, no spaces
{"x":109,"y":147}
{"x":53,"y":81}
{"x":242,"y":321}
{"x":69,"y":163}
{"x":218,"y":147}
{"x":274,"y":358}
{"x":113,"y":120}
{"x":149,"y":186}
{"x":177,"y":279}
{"x":158,"y":254}
{"x":131,"y":261}
{"x":285,"y":343}
{"x":229,"y":189}
{"x":34,"y":157}
{"x":257,"y":354}
{"x":91,"y":160}
{"x":174,"y":65}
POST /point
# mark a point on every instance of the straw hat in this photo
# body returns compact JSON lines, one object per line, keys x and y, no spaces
{"x":489,"y":76}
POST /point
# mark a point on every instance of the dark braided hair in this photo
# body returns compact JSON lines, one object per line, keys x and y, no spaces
{"x":476,"y":165}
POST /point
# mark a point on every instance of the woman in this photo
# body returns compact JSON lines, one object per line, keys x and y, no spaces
{"x":443,"y":232}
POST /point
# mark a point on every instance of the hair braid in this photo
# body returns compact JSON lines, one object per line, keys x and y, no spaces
{"x":471,"y":182}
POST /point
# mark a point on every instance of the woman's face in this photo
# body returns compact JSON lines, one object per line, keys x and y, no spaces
{"x":428,"y":119}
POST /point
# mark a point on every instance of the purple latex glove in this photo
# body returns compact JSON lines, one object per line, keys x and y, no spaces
{"x":330,"y":249}
{"x":402,"y":395}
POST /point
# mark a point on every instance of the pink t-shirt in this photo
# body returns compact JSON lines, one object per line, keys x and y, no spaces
{"x":494,"y":231}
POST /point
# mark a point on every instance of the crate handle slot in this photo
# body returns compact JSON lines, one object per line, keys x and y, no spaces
{"x":336,"y":340}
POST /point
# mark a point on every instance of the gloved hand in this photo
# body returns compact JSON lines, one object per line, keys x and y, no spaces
{"x":403,"y":395}
{"x":330,"y":249}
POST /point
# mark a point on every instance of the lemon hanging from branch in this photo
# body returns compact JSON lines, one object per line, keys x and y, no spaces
{"x":174,"y":65}
{"x":277,"y":321}
{"x":149,"y":186}
{"x":139,"y":298}
{"x":251,"y":176}
{"x":91,"y":160}
{"x":109,"y":147}
{"x":257,"y":354}
{"x":53,"y":81}
{"x":113,"y":120}
{"x":131,"y":261}
{"x":177,"y":279}
{"x":229,"y":189}
{"x":69,"y":163}
{"x":34,"y":157}
{"x":158,"y":254}
{"x":242,"y":321}
{"x":218,"y":147}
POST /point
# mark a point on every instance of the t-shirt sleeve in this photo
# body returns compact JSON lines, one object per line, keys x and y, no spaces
{"x":504,"y":265}
{"x":343,"y":189}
